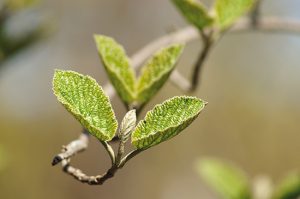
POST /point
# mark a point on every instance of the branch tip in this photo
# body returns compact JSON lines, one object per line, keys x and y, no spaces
{"x":57,"y":159}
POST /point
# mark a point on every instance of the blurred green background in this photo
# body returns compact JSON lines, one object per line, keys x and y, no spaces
{"x":251,"y":81}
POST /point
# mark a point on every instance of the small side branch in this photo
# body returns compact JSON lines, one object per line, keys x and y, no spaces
{"x":189,"y":33}
{"x":72,"y":148}
{"x":184,"y":84}
{"x":110,"y":152}
{"x":269,"y":25}
{"x":263,"y":24}
{"x":208,"y":41}
{"x":100,"y":179}
{"x":129,"y":156}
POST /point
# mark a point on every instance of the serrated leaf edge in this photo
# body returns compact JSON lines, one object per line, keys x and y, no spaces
{"x":217,"y":17}
{"x":132,"y":93}
{"x":69,"y":106}
{"x":200,"y":5}
{"x":155,"y":80}
{"x":133,"y":141}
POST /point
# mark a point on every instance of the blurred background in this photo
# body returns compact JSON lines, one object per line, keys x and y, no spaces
{"x":251,"y":81}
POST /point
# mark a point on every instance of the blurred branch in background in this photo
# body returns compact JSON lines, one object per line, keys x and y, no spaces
{"x":255,"y":14}
{"x":210,"y":35}
{"x":14,"y":39}
{"x":190,"y":33}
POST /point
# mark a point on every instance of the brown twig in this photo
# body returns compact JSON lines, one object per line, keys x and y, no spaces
{"x":208,"y":41}
{"x":269,"y":25}
{"x":117,"y":163}
{"x":255,"y":14}
{"x":264,"y":25}
{"x":82,"y":177}
{"x":189,"y":33}
{"x":72,"y":148}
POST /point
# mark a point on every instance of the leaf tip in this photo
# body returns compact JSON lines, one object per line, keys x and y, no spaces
{"x":178,"y":48}
{"x":97,"y":37}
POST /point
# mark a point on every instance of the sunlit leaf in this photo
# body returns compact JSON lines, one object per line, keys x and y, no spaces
{"x":228,"y":11}
{"x":226,"y":179}
{"x":117,"y":66}
{"x":156,"y":72}
{"x":85,"y":99}
{"x":289,"y":187}
{"x":166,"y":121}
{"x":194,"y":12}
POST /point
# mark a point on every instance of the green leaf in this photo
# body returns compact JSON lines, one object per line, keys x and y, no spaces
{"x":117,"y":66}
{"x":289,"y":187}
{"x":156,"y":72}
{"x":166,"y":121}
{"x":225,"y":178}
{"x":86,"y":101}
{"x":228,"y":11}
{"x":194,"y":12}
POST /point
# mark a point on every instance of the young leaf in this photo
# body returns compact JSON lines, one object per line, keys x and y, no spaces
{"x":156,"y":72}
{"x":117,"y":66}
{"x":86,"y":101}
{"x":289,"y":188}
{"x":194,"y":12}
{"x":127,"y":125}
{"x":166,"y":121}
{"x":228,"y":11}
{"x":225,"y":178}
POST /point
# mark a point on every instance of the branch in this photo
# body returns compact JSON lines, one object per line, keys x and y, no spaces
{"x":270,"y":25}
{"x":208,"y":41}
{"x":82,"y":177}
{"x":136,"y":61}
{"x":110,"y":152}
{"x":72,"y":148}
{"x":184,"y":35}
{"x":129,"y":156}
{"x":117,"y":163}
{"x":255,"y":14}
{"x":190,"y":33}
{"x":264,"y":25}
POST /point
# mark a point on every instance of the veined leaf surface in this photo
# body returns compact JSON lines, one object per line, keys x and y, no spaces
{"x":118,"y":67}
{"x":228,"y":11}
{"x":156,"y":72}
{"x":194,"y":12}
{"x":166,"y":121}
{"x":86,"y":101}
